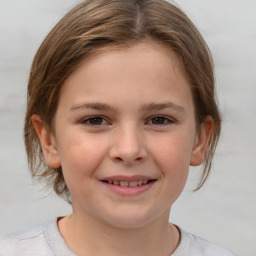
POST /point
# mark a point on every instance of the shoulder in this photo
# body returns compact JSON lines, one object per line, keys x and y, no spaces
{"x":29,"y":242}
{"x":192,"y":245}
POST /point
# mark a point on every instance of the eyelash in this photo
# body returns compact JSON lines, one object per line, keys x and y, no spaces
{"x":95,"y":118}
{"x":166,"y":120}
{"x":102,"y":121}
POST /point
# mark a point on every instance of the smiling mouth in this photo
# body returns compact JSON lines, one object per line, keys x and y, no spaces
{"x":129,"y":183}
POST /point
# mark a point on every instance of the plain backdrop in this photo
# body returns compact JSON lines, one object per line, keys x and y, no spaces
{"x":224,"y":210}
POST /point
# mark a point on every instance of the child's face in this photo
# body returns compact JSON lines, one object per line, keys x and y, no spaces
{"x":126,"y":115}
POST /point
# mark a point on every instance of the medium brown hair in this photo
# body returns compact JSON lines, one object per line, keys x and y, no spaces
{"x":94,"y":25}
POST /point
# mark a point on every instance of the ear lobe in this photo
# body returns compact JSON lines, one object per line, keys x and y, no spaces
{"x":201,"y":143}
{"x":48,"y":142}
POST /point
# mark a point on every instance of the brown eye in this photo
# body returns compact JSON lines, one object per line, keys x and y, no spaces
{"x":160,"y":120}
{"x":95,"y":120}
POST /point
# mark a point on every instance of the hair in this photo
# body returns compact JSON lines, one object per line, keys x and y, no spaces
{"x":96,"y":25}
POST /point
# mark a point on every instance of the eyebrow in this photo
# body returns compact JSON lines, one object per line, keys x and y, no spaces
{"x":161,"y":106}
{"x":95,"y":105}
{"x":144,"y":108}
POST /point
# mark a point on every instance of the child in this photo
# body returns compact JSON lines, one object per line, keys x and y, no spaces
{"x":120,"y":103}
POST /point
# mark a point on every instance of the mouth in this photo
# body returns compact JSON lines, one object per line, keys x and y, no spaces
{"x":124,"y":183}
{"x":128,"y":186}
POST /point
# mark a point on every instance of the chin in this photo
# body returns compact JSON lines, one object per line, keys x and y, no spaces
{"x":130,"y":219}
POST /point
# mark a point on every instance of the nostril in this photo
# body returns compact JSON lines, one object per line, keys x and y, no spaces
{"x":126,"y":160}
{"x":127,"y":155}
{"x":119,"y":159}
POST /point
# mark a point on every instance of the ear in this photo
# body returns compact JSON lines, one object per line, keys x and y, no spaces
{"x":201,"y":142}
{"x":48,"y":142}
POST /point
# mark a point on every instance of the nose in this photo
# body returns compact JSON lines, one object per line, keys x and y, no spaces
{"x":128,"y":146}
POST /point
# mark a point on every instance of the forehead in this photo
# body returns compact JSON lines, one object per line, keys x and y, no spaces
{"x":148,"y":53}
{"x":146,"y":67}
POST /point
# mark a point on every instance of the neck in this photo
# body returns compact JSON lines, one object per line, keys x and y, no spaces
{"x":88,"y":236}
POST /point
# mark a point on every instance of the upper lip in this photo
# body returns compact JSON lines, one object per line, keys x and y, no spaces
{"x":128,"y":178}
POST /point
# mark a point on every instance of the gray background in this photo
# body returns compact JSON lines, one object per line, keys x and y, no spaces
{"x":224,"y":210}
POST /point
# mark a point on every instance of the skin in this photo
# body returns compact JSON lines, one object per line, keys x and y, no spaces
{"x":145,"y":125}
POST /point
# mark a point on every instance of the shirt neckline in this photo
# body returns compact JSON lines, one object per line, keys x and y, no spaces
{"x":59,"y":247}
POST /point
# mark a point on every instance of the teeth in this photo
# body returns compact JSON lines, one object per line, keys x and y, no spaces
{"x":124,"y":183}
{"x":139,"y":182}
{"x":133,"y":184}
{"x":128,"y":183}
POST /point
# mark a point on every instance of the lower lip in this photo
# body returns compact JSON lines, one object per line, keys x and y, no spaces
{"x":129,"y":191}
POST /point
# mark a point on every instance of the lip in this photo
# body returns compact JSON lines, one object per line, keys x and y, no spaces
{"x":128,"y":191}
{"x":128,"y":178}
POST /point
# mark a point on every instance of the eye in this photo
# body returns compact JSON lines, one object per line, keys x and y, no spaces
{"x":160,"y":120}
{"x":95,"y":121}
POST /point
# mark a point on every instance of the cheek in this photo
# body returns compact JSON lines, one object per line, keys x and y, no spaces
{"x":80,"y":158}
{"x":173,"y":150}
{"x":172,"y":156}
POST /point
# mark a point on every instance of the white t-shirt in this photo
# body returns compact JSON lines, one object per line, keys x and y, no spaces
{"x":45,"y":240}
